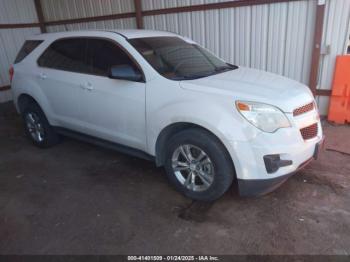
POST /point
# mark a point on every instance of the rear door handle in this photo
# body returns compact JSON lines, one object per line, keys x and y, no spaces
{"x":42,"y":76}
{"x":87,"y":86}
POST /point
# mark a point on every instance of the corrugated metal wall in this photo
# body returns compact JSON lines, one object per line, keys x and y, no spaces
{"x":160,"y":4}
{"x":274,"y":37}
{"x":125,"y":23}
{"x":11,"y":40}
{"x":336,"y":31}
{"x":69,"y":9}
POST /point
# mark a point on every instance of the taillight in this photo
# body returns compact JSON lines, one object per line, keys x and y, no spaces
{"x":11,"y":72}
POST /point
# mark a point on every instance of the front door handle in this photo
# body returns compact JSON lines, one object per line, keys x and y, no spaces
{"x":42,"y":76}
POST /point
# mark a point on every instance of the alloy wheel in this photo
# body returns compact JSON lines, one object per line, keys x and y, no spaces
{"x":35,"y":127}
{"x":193,"y":168}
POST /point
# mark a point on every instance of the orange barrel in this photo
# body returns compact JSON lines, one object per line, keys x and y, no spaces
{"x":348,"y":111}
{"x":339,"y":107}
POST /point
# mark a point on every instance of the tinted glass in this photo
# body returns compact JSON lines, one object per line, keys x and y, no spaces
{"x":26,"y":49}
{"x":104,"y":54}
{"x":67,"y":55}
{"x":177,"y":59}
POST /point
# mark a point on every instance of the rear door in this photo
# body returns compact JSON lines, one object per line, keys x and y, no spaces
{"x":61,"y":73}
{"x":113,"y":109}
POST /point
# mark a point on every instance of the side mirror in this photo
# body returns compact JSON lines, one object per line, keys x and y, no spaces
{"x":125,"y":72}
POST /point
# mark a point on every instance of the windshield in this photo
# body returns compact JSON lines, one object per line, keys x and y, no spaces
{"x":177,"y":59}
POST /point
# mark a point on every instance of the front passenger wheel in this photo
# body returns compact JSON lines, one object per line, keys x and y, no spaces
{"x":198,"y":165}
{"x":193,"y":168}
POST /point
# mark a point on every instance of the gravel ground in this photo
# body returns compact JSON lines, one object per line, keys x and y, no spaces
{"x":77,"y":198}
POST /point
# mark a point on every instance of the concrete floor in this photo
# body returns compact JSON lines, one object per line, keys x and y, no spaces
{"x":80,"y":199}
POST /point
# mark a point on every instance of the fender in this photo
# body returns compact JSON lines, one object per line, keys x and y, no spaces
{"x":218,"y":121}
{"x":29,"y":87}
{"x":188,"y":107}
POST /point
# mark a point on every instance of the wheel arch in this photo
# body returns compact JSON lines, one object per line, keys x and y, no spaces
{"x":173,"y":129}
{"x":23,"y":100}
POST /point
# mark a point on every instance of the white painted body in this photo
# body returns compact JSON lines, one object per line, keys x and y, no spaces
{"x":134,"y":114}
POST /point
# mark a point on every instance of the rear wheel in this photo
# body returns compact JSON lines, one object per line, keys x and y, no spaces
{"x":37,"y":128}
{"x":198,"y":165}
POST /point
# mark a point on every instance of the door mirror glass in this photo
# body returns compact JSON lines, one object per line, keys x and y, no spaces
{"x":125,"y":72}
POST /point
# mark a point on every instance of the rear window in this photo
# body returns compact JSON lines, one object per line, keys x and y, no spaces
{"x":26,"y":49}
{"x":67,"y":55}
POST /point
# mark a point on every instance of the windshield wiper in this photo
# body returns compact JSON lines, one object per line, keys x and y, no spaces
{"x":217,"y":70}
{"x":194,"y":76}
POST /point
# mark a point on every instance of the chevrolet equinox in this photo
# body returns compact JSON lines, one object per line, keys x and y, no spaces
{"x":161,"y":96}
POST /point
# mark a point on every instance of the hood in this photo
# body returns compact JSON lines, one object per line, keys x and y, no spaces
{"x":254,"y":85}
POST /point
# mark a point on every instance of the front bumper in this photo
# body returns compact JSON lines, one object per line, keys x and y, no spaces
{"x":253,"y":176}
{"x":259,"y":187}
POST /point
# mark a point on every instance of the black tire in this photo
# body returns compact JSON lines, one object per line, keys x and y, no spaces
{"x":224,"y":172}
{"x":49,"y":137}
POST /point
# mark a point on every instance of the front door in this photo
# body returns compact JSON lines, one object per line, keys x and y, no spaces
{"x":113,"y":109}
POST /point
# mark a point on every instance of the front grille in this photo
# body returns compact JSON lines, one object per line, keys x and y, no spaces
{"x":304,"y":109}
{"x":309,"y":132}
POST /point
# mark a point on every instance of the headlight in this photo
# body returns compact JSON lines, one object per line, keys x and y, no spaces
{"x":265,"y":117}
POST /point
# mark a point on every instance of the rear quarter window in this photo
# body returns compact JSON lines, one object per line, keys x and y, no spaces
{"x":26,"y":49}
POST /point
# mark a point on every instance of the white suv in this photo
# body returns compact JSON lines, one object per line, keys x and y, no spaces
{"x":160,"y":96}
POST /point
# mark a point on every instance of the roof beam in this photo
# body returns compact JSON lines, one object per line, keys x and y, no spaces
{"x":40,"y":15}
{"x":213,"y":6}
{"x":21,"y":25}
{"x":316,"y":52}
{"x":4,"y":88}
{"x":138,"y":12}
{"x":90,"y":19}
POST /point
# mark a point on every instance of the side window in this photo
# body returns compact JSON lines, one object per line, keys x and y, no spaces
{"x":67,"y":55}
{"x":103,"y":54}
{"x":26,"y":49}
